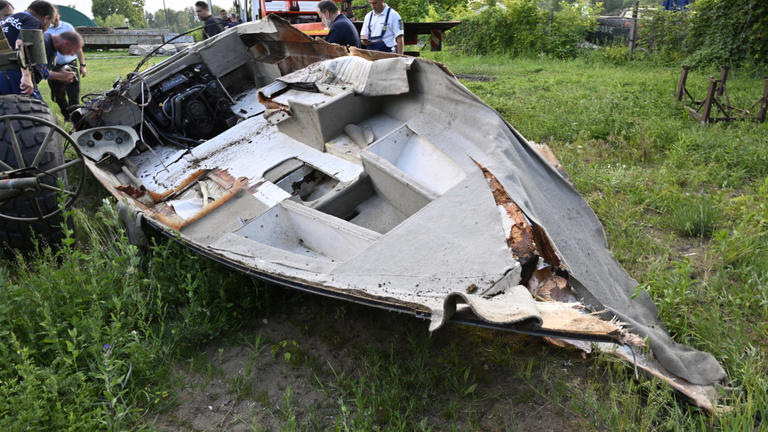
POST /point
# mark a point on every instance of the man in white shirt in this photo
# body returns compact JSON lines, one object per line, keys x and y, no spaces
{"x":382,"y":28}
{"x":66,"y":93}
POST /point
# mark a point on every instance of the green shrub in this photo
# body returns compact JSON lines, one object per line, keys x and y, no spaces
{"x":518,"y":27}
{"x":664,"y":34}
{"x":570,"y":25}
{"x":729,"y":32}
{"x":514,"y":27}
{"x":615,"y":54}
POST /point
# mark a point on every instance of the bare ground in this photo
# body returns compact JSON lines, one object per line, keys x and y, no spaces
{"x":309,"y":365}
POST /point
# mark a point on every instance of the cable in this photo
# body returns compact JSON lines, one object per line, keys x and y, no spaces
{"x":144,"y":60}
{"x":141,"y":127}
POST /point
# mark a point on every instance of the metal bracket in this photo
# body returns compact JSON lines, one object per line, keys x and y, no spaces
{"x":717,"y":97}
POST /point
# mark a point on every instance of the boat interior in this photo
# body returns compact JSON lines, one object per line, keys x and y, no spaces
{"x":325,"y":171}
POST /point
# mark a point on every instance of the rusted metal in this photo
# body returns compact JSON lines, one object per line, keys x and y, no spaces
{"x":160,"y":197}
{"x":546,"y":285}
{"x":763,"y":102}
{"x":723,"y":78}
{"x":177,"y":223}
{"x":681,"y":84}
{"x":704,"y":117}
{"x":717,"y":97}
{"x":132,"y":191}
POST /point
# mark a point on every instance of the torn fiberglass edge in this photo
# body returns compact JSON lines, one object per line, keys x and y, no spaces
{"x":378,"y":179}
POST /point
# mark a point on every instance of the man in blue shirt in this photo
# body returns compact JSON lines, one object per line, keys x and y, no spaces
{"x":38,"y":15}
{"x":65,"y":93}
{"x":342,"y":31}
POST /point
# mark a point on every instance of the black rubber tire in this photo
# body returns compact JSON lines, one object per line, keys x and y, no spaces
{"x":19,"y":235}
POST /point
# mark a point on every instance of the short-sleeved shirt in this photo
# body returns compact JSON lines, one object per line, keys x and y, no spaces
{"x":213,"y":26}
{"x":13,"y":24}
{"x":343,"y":32}
{"x":63,"y":26}
{"x":375,"y":22}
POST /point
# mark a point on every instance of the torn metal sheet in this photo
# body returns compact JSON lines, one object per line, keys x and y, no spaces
{"x":377,"y":179}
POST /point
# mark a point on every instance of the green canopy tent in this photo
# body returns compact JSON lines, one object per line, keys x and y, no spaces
{"x":75,"y":17}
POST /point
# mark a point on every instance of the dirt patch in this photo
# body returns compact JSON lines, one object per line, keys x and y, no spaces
{"x":330,"y":362}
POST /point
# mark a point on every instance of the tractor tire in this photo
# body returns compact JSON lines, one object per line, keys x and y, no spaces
{"x":19,"y":235}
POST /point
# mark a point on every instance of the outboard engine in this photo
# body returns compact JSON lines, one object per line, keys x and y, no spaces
{"x":190,"y":105}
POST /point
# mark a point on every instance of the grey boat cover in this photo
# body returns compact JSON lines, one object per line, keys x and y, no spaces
{"x":540,"y":191}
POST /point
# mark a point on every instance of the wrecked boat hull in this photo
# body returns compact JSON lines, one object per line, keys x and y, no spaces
{"x":372,"y":178}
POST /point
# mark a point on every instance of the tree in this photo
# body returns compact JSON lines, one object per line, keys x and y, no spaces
{"x":131,"y":9}
{"x":729,"y":32}
{"x":178,"y":21}
{"x":114,"y":20}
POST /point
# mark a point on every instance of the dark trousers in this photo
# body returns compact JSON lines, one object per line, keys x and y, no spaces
{"x":66,"y":94}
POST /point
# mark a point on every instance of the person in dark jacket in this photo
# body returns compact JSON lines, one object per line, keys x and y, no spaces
{"x":38,"y":16}
{"x":233,"y":21}
{"x":342,"y":31}
{"x":212,"y":25}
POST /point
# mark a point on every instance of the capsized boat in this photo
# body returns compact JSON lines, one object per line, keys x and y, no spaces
{"x":374,"y":178}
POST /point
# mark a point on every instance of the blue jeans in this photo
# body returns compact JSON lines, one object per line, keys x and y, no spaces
{"x":379,"y":45}
{"x":10,"y":83}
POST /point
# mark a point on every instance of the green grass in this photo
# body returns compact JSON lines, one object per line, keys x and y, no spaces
{"x":685,"y":208}
{"x":103,"y":69}
{"x":655,"y":178}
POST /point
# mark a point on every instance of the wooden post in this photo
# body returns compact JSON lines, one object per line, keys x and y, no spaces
{"x":723,"y":78}
{"x":551,"y":16}
{"x":708,"y":101}
{"x":681,"y":83}
{"x":764,"y":105}
{"x":633,"y":29}
{"x":436,"y":40}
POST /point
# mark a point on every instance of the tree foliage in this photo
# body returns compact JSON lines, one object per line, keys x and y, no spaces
{"x":418,"y":10}
{"x":177,"y":21}
{"x":521,"y":26}
{"x":131,"y":9}
{"x":729,"y":32}
{"x":114,"y":20}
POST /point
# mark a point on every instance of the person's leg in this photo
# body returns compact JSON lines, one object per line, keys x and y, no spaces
{"x":59,"y":95}
{"x":73,"y":95}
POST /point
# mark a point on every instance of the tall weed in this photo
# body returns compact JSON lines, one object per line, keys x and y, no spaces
{"x":86,"y":332}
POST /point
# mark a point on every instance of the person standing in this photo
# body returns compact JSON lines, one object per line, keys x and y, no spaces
{"x":382,"y":28}
{"x":38,"y":16}
{"x":234,"y":21}
{"x":341,"y":30}
{"x":66,"y":94}
{"x":211,"y":25}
